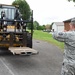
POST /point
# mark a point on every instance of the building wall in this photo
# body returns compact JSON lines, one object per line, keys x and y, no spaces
{"x":57,"y":27}
{"x":61,"y":28}
{"x":54,"y":27}
{"x":66,"y":26}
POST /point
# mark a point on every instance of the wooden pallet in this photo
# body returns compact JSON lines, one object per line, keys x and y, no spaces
{"x":23,"y":50}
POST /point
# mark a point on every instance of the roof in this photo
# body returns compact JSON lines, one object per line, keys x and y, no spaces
{"x":68,"y":20}
{"x":59,"y":23}
{"x":7,"y":6}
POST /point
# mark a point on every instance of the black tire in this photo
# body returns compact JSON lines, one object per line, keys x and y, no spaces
{"x":4,"y":51}
{"x":29,"y":40}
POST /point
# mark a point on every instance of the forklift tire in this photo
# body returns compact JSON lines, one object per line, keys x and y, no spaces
{"x":5,"y":51}
{"x":29,"y":41}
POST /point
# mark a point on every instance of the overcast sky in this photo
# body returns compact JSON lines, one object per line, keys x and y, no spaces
{"x":48,"y":11}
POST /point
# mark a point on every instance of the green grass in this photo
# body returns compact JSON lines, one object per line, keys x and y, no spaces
{"x":40,"y":35}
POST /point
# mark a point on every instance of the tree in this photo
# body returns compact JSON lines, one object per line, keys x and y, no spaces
{"x":51,"y":26}
{"x":47,"y":27}
{"x":40,"y":28}
{"x":24,"y":8}
{"x":36,"y":25}
{"x":29,"y":26}
{"x":44,"y":28}
{"x":71,"y":0}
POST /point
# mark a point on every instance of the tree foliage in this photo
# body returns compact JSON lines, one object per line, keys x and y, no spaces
{"x":71,"y":0}
{"x":24,"y":8}
{"x":36,"y":25}
{"x":47,"y":26}
{"x":51,"y":26}
{"x":41,"y":28}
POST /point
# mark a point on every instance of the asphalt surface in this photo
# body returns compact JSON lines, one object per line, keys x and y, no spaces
{"x":47,"y":62}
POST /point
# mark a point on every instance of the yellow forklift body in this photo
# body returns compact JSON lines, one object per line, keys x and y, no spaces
{"x":13,"y":31}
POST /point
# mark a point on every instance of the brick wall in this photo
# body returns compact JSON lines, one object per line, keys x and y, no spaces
{"x":66,"y":26}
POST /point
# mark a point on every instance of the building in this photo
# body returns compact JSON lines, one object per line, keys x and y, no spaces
{"x":58,"y":26}
{"x":66,"y":24}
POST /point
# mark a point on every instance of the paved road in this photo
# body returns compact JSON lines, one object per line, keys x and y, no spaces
{"x":48,"y":62}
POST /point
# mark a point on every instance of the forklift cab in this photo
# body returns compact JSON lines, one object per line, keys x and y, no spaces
{"x":10,"y":13}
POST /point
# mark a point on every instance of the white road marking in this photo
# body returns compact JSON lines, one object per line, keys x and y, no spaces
{"x":7,"y":67}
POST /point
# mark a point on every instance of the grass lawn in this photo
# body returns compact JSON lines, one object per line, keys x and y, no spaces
{"x":40,"y":35}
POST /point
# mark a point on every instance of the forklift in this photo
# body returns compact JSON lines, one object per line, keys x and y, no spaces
{"x":14,"y":35}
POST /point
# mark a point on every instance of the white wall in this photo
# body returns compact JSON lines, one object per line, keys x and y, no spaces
{"x":60,"y":28}
{"x":54,"y":27}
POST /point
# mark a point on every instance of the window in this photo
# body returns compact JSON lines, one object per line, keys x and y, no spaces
{"x":9,"y":12}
